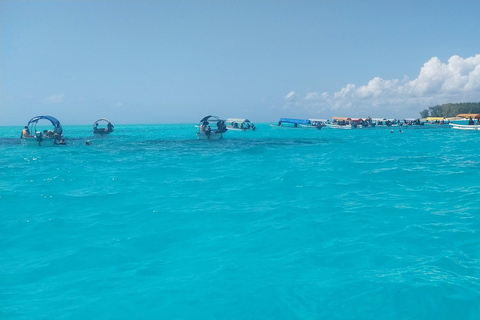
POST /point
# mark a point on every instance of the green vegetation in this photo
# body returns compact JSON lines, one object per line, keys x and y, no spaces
{"x":451,"y":109}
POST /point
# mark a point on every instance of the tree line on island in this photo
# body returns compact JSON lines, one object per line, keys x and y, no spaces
{"x":449,"y":110}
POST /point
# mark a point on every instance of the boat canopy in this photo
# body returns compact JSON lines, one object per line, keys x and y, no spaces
{"x":238,"y":120}
{"x":411,"y":119}
{"x":341,"y":118}
{"x":468,"y":115}
{"x":318,"y":120}
{"x":210,"y":118}
{"x":102,"y":119}
{"x":433,"y":119}
{"x":297,"y":121}
{"x":33,"y":122}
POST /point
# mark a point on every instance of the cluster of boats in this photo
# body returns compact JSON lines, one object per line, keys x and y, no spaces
{"x":461,"y":121}
{"x":213,"y":128}
{"x":33,"y":136}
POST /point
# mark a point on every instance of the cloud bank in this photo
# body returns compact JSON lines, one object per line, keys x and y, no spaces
{"x":458,"y":80}
{"x":55,"y":99}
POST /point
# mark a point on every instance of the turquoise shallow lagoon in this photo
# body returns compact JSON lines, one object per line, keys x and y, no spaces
{"x":274,"y":224}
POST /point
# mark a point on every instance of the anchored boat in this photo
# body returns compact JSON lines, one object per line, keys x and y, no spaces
{"x":102,"y":131}
{"x":211,"y":128}
{"x":237,"y":124}
{"x":33,"y":136}
{"x":288,"y":123}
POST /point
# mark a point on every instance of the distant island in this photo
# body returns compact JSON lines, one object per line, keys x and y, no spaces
{"x":451,"y":109}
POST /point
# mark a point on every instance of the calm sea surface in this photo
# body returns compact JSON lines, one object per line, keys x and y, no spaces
{"x":274,"y":224}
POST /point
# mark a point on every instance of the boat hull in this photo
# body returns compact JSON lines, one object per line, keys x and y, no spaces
{"x":45,"y":142}
{"x":212,"y":136}
{"x":472,"y":127}
{"x":101,"y":135}
{"x":336,"y":126}
{"x":276,"y":126}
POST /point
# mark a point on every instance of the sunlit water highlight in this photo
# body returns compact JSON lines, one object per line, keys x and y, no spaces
{"x":272,"y":224}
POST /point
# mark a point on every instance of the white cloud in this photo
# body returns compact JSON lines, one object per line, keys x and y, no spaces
{"x":55,"y":99}
{"x":290,"y":95}
{"x":458,"y":80}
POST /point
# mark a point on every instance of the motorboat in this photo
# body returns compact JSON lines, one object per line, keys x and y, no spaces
{"x":45,"y":138}
{"x":205,"y":130}
{"x":436,"y":122}
{"x":237,"y":124}
{"x":102,"y":131}
{"x":386,"y":123}
{"x":289,"y":123}
{"x":465,"y":126}
{"x":315,"y":124}
{"x":342,"y":123}
{"x":412,"y":123}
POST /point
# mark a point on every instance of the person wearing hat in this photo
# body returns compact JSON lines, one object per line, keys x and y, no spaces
{"x":25,"y":133}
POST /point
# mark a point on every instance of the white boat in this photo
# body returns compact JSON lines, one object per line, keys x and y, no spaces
{"x":45,"y":138}
{"x":238,"y":124}
{"x":465,"y":126}
{"x":102,"y":132}
{"x":205,"y":131}
{"x":288,"y":123}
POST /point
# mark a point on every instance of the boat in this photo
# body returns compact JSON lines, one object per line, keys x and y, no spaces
{"x":465,"y":126}
{"x":465,"y":121}
{"x":316,"y":124}
{"x":205,"y":131}
{"x":102,"y":132}
{"x":238,"y":124}
{"x":436,"y":122}
{"x":288,"y":123}
{"x":386,"y":123}
{"x":342,"y":123}
{"x":412,"y":123}
{"x":45,"y":138}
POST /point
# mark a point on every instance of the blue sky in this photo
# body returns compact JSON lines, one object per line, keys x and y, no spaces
{"x":152,"y":61}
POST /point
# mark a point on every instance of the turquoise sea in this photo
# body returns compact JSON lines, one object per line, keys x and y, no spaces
{"x":274,"y":224}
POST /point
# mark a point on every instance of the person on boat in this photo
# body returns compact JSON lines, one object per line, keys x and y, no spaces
{"x":48,"y":133}
{"x":57,"y":132}
{"x":95,"y":128}
{"x":478,"y":121}
{"x":221,"y":127}
{"x":208,"y":131}
{"x":25,"y":133}
{"x":203,"y":127}
{"x":109,"y":127}
{"x":470,"y":121}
